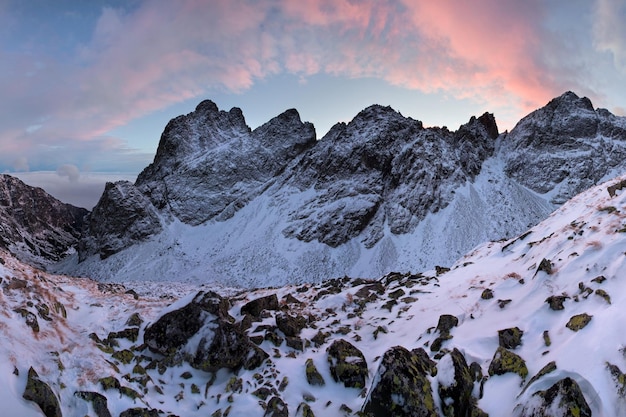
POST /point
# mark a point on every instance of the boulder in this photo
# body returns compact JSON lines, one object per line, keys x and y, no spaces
{"x":174,"y":329}
{"x":564,"y":399}
{"x":510,"y":338}
{"x":290,"y":325}
{"x":255,"y":307}
{"x":455,"y":386}
{"x":98,"y":401}
{"x":40,"y":393}
{"x":401,"y":386}
{"x":204,"y":334}
{"x":347,"y":364}
{"x":505,"y":361}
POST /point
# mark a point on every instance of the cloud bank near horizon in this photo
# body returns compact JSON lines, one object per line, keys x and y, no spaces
{"x":67,"y":85}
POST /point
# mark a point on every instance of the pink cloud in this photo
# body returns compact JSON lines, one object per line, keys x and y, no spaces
{"x":495,"y":52}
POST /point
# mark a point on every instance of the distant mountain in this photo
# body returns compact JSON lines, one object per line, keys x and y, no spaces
{"x":530,"y":326}
{"x":270,"y":206}
{"x":35,"y":226}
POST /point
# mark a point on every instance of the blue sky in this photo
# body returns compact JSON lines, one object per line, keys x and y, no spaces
{"x":88,"y":86}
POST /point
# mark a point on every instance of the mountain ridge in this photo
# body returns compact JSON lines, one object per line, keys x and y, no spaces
{"x":378,"y":194}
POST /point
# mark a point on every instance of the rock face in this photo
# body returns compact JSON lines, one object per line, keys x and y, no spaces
{"x":39,"y":392}
{"x":383,"y":168}
{"x":566,"y":146}
{"x":403,"y":387}
{"x":378,"y":194}
{"x":123,"y":216}
{"x":35,"y":226}
{"x":209,"y":163}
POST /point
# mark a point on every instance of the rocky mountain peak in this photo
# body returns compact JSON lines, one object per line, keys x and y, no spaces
{"x":569,"y":100}
{"x":564,"y":146}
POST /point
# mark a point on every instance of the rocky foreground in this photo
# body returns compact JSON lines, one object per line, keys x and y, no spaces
{"x":530,"y":326}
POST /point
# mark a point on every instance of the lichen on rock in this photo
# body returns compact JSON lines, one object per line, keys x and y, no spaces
{"x":347,"y":364}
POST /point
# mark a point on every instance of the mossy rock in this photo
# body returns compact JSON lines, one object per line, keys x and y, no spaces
{"x":276,"y":407}
{"x":546,"y":266}
{"x":565,"y":395}
{"x":402,"y":387}
{"x":130,"y":393}
{"x":262,"y":393}
{"x":510,"y":338}
{"x":619,"y":377}
{"x":134,"y":320}
{"x":109,"y":382}
{"x":304,"y":410}
{"x":347,"y":364}
{"x":601,"y":293}
{"x":550,"y":367}
{"x":578,"y":322}
{"x":124,"y":356}
{"x":456,"y":398}
{"x":546,"y":338}
{"x":556,"y":302}
{"x":313,"y":376}
{"x":320,"y":338}
{"x":446,"y":323}
{"x":41,"y":394}
{"x":290,"y":325}
{"x":255,"y":307}
{"x":505,"y":361}
{"x":98,"y":401}
{"x":487,"y":294}
{"x":59,"y":308}
{"x":397,"y":294}
{"x":131,"y":333}
{"x":30,"y":318}
{"x":435,"y":346}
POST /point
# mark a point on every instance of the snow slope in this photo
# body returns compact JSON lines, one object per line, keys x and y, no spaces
{"x":577,"y":255}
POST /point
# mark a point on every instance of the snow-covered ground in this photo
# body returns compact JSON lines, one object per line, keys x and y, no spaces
{"x":578,"y":253}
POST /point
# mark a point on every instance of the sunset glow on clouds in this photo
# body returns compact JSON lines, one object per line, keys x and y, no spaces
{"x":92,"y":84}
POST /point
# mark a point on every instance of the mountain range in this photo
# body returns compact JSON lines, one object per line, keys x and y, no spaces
{"x":530,"y":326}
{"x":226,"y":204}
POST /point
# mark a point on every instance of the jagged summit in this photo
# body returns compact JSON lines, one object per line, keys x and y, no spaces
{"x":565,"y":147}
{"x":377,"y":194}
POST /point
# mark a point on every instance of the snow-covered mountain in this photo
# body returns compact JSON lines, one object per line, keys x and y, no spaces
{"x":530,"y":326}
{"x":272,"y":206}
{"x":36,"y":227}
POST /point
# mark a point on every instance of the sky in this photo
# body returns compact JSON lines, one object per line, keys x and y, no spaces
{"x":88,"y":86}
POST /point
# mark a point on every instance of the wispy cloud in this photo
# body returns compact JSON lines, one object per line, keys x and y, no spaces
{"x":61,"y":107}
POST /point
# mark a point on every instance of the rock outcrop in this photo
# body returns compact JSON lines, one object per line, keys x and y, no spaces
{"x":204,"y":334}
{"x":36,"y":227}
